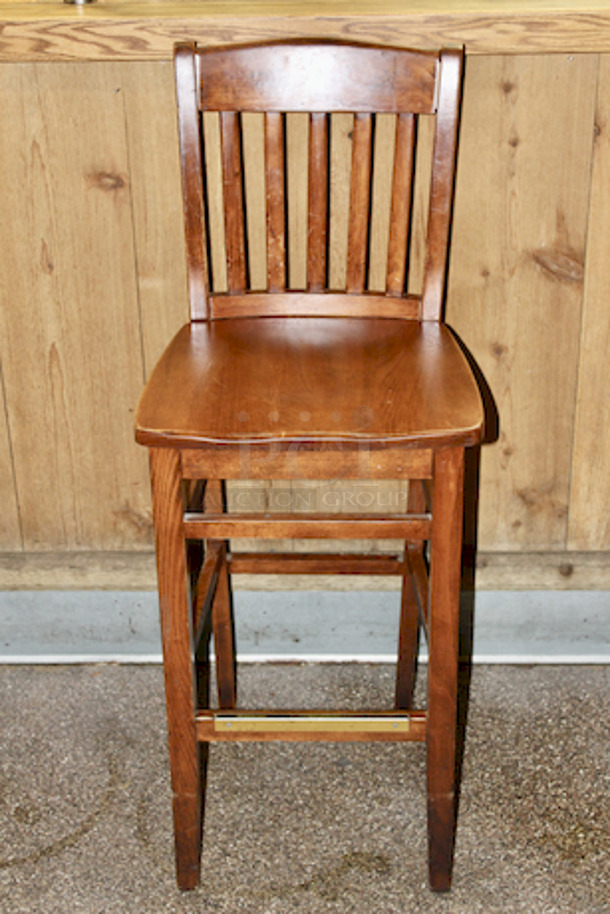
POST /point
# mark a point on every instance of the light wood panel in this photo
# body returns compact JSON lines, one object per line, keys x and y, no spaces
{"x":146,"y":90}
{"x":517,"y":278}
{"x":589,"y":516}
{"x":147,"y":29}
{"x":136,"y":571}
{"x":92,"y":273}
{"x":70,"y":337}
{"x":10,"y":532}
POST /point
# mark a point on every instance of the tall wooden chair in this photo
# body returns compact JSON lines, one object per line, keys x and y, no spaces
{"x":310,"y":383}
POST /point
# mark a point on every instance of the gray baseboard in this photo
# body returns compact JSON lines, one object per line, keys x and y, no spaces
{"x":120,"y":626}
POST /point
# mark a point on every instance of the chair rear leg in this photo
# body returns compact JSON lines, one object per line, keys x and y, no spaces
{"x":224,"y":640}
{"x":443,"y":661}
{"x":222,"y":611}
{"x":408,"y":638}
{"x":178,"y":661}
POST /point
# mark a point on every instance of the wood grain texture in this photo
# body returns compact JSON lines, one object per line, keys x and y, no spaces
{"x":147,"y":90}
{"x":503,"y":211}
{"x":402,"y":177}
{"x":441,"y":185}
{"x":359,"y":204}
{"x":132,"y":571}
{"x":178,"y":661}
{"x":10,"y":531}
{"x":309,"y":526}
{"x":287,"y":367}
{"x":47,"y":30}
{"x":233,"y":190}
{"x":589,"y":519}
{"x":443,"y":645}
{"x":311,"y":304}
{"x":341,"y":128}
{"x":317,"y":234}
{"x":275,"y":172}
{"x":191,"y":171}
{"x":316,"y":77}
{"x":410,"y":608}
{"x":69,"y":273}
{"x":516,"y":282}
{"x":253,"y":135}
{"x":256,"y":462}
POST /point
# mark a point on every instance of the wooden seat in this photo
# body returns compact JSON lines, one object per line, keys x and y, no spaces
{"x":304,"y":379}
{"x":315,"y":372}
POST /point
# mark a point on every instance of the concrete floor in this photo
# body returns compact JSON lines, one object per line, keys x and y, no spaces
{"x":85,"y":803}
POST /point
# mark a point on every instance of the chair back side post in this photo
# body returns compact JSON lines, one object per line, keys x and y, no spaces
{"x":189,"y":134}
{"x":319,"y":79}
{"x":441,"y":190}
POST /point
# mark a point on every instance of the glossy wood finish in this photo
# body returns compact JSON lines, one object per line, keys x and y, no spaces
{"x":314,"y":563}
{"x":178,"y":659}
{"x":317,"y":233}
{"x":298,"y":396}
{"x":390,"y":380}
{"x":398,"y":245}
{"x":445,"y":568}
{"x":316,"y":77}
{"x":191,"y":162}
{"x":223,"y":626}
{"x":443,"y":159}
{"x":318,"y":526}
{"x":411,"y":602}
{"x":323,"y":79}
{"x":525,"y":294}
{"x":359,"y":460}
{"x":310,"y":304}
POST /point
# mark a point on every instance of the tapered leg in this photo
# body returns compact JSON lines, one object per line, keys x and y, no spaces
{"x":224,"y":641}
{"x":443,"y":663}
{"x":222,"y":613}
{"x":178,"y":661}
{"x":408,"y":639}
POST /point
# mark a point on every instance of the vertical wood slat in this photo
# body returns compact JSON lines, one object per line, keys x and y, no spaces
{"x":276,"y":205}
{"x":317,"y":226}
{"x":234,"y":201}
{"x":359,"y":203}
{"x":401,"y":204}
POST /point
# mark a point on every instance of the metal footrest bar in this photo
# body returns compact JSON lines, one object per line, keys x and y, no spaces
{"x":344,"y":726}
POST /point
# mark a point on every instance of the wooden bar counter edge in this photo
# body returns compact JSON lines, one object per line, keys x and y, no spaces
{"x":49,"y":30}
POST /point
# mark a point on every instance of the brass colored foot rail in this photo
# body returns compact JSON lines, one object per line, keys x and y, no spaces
{"x":390,"y":726}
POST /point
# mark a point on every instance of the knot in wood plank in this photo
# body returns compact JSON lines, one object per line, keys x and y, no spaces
{"x":566,"y":266}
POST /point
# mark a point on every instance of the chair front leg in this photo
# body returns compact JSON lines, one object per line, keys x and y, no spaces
{"x":445,"y":574}
{"x":178,"y":661}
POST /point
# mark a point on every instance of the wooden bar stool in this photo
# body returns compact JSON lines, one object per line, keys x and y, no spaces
{"x":311,"y":379}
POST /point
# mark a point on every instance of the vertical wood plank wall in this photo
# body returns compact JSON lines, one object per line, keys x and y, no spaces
{"x":93,"y":284}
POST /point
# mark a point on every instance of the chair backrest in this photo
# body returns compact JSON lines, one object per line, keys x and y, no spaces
{"x":268,"y":133}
